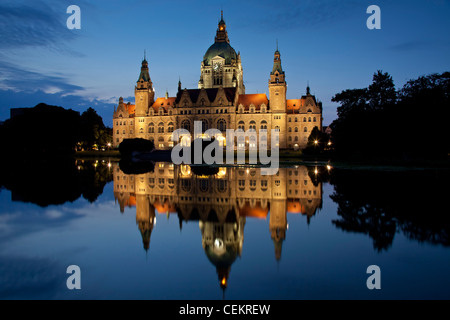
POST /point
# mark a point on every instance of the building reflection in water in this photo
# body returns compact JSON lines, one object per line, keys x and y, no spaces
{"x":221,"y":202}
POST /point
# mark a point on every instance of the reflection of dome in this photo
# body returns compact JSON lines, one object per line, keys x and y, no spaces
{"x":222,"y":257}
{"x":221,"y":49}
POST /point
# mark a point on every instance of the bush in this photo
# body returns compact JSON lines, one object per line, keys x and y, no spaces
{"x":128,"y":146}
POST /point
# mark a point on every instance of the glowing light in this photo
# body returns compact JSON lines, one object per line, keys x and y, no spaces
{"x":329,"y":167}
{"x":316,"y":142}
{"x":224,"y":281}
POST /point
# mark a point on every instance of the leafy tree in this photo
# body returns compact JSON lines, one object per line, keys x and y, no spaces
{"x":317,"y":142}
{"x":381,"y":93}
{"x":351,"y":101}
{"x":92,"y":129}
{"x":378,"y":122}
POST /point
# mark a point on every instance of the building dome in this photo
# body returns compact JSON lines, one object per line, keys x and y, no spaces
{"x":222,"y":49}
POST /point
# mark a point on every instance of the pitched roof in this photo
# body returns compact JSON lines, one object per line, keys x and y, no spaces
{"x":293,"y":105}
{"x":131,"y":108}
{"x":256,"y":99}
{"x":230,"y":94}
{"x":254,"y":212}
{"x":163,"y":102}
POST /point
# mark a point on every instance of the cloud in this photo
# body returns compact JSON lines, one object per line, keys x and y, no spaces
{"x":18,"y":79}
{"x":21,"y":87}
{"x":414,"y":45}
{"x":37,"y":24}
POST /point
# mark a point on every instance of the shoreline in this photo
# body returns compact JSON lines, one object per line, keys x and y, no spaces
{"x":285,"y":159}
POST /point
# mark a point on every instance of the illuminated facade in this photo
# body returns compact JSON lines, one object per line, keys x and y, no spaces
{"x":219,"y":102}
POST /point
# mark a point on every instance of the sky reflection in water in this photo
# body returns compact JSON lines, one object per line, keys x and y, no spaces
{"x":234,"y":234}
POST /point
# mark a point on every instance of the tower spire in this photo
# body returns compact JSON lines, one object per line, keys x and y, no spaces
{"x":222,"y":35}
{"x":145,"y":55}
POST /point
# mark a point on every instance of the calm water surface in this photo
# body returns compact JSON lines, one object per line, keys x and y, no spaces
{"x":178,"y":232}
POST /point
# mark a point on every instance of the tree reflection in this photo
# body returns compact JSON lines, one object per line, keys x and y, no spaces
{"x":383,"y":203}
{"x":55,"y":181}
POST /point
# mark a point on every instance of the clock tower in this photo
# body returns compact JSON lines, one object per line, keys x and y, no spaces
{"x":143,"y":92}
{"x":277,"y":98}
{"x":221,"y":65}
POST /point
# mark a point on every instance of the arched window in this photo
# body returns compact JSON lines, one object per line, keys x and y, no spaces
{"x":304,"y":119}
{"x":241,"y":125}
{"x":296,"y":139}
{"x":305,"y":129}
{"x":309,"y":119}
{"x":161,"y":139}
{"x":186,"y":125}
{"x":290,"y":139}
{"x":170,"y":129}
{"x":314,"y":119}
{"x":161,"y":127}
{"x":264,"y":125}
{"x":277,"y":129}
{"x":290,"y":129}
{"x":252,"y":125}
{"x":222,"y":125}
{"x":151,"y":128}
{"x":296,"y":129}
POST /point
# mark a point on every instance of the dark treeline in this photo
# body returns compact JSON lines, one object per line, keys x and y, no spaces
{"x":382,"y":204}
{"x":48,"y":130}
{"x":379,"y":122}
{"x":54,"y":181}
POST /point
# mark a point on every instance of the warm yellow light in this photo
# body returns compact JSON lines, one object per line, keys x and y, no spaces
{"x":224,"y":281}
{"x":316,"y":142}
{"x":328,"y":167}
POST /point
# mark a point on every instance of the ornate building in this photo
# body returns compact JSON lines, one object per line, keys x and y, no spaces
{"x":219,"y":102}
{"x":220,"y":203}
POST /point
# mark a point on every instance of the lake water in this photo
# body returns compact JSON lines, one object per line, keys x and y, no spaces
{"x":180,"y":232}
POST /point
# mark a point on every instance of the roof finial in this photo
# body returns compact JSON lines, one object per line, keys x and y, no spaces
{"x":145,"y":54}
{"x":308,"y":89}
{"x":277,"y":44}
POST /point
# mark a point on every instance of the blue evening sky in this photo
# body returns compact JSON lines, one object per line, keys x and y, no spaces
{"x":325,"y":42}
